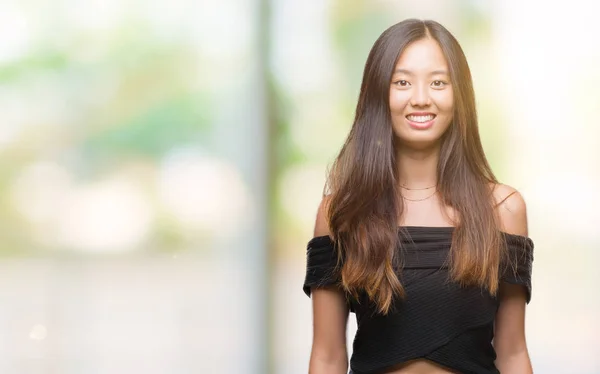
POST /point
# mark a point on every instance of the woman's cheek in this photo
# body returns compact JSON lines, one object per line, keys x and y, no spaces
{"x":397,"y":102}
{"x":445,"y":101}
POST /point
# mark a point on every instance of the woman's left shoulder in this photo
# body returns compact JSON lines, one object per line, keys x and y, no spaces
{"x":511,"y":209}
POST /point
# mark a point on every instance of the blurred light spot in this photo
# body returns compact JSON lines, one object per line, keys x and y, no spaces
{"x":314,"y":59}
{"x":582,"y":203}
{"x":204,"y":193}
{"x":232,"y":21}
{"x":38,"y":332}
{"x":112,"y":215}
{"x":94,"y":15}
{"x":301,"y":191}
{"x":15,"y":31}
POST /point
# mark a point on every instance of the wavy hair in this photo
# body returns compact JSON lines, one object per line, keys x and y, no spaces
{"x":364,"y":205}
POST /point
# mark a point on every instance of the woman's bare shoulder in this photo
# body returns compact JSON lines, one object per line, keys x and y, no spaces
{"x":511,"y":208}
{"x":322,"y":220}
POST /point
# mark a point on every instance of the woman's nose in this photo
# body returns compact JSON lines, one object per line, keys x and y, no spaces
{"x":420,"y":96}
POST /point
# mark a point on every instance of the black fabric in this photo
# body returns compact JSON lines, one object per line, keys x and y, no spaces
{"x":438,"y":320}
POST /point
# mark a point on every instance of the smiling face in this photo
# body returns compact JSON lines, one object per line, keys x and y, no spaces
{"x":421,"y":97}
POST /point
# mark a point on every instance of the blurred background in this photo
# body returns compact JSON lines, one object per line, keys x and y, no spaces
{"x":161,"y":164}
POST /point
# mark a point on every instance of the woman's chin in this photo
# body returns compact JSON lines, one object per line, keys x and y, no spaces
{"x":419,"y":141}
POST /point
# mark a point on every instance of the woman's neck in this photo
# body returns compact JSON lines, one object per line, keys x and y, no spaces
{"x":418,"y":168}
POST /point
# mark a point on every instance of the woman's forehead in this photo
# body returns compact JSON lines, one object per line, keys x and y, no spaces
{"x":422,"y":57}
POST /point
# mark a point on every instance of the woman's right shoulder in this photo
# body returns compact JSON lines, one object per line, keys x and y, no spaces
{"x":322,"y":219}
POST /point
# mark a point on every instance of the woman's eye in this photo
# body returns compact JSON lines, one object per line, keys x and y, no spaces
{"x":402,"y":83}
{"x":439,"y":83}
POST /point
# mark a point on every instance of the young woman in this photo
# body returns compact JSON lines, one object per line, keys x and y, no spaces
{"x":416,"y":236}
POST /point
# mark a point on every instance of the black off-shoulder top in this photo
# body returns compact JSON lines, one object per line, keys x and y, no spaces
{"x":438,"y":320}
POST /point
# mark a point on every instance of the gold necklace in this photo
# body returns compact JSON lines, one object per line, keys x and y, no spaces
{"x":418,"y":189}
{"x":425,"y":198}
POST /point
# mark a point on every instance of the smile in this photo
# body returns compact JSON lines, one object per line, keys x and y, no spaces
{"x":420,"y":119}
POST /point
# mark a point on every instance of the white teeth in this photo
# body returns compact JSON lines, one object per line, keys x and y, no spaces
{"x":420,"y":118}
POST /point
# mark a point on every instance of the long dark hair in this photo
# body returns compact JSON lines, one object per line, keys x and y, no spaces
{"x":364,"y":204}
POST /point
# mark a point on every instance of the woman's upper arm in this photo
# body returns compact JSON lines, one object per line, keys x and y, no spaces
{"x":509,"y":336}
{"x":330,"y":316}
{"x":330,"y":309}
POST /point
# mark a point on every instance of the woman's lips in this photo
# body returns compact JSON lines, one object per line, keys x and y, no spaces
{"x":420,"y":125}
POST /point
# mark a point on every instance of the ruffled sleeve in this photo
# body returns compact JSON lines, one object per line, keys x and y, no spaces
{"x":517,"y":269}
{"x":321,"y":264}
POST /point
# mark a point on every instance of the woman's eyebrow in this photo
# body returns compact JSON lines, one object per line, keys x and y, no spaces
{"x":403,"y":71}
{"x":408,"y":72}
